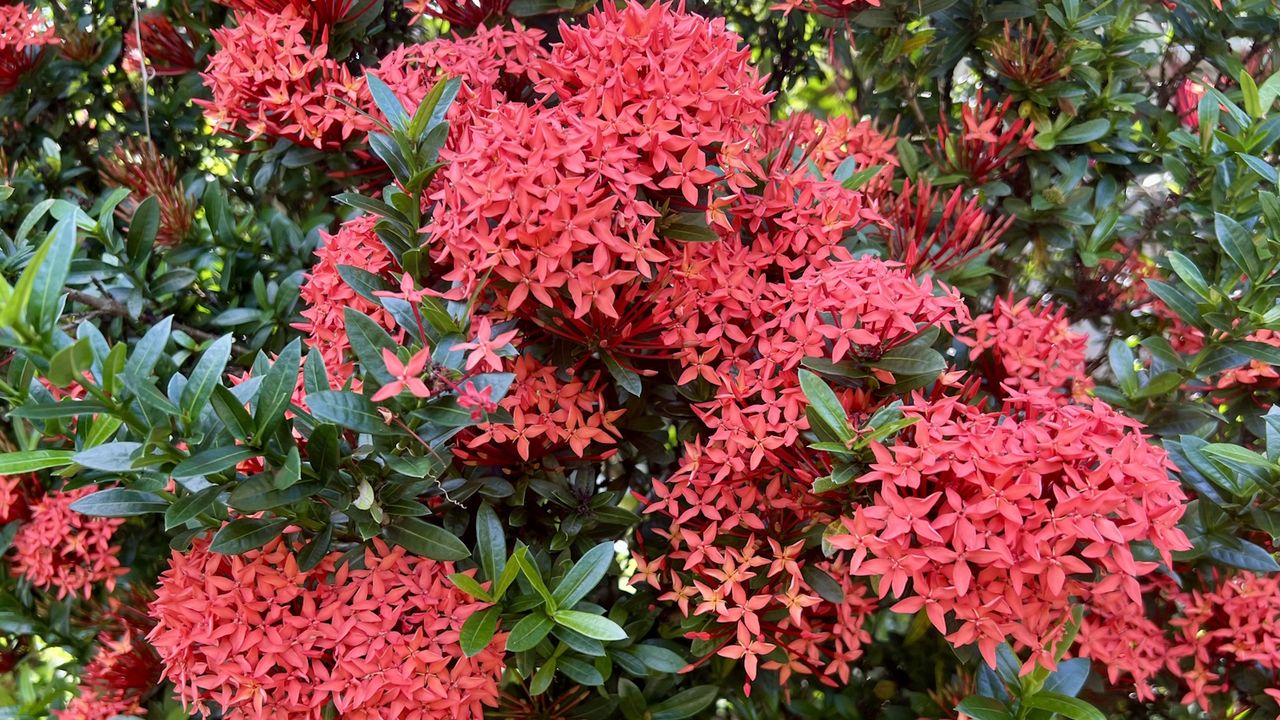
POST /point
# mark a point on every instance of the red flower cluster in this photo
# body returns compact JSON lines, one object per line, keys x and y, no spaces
{"x":742,"y":499}
{"x":138,"y":166}
{"x":23,"y":35}
{"x":61,"y":549}
{"x":1119,"y":637}
{"x":123,"y":670}
{"x":167,"y":51}
{"x":14,"y":500}
{"x":961,"y":233}
{"x":1029,"y":349}
{"x":997,"y":520}
{"x":986,"y":145}
{"x":261,"y":638}
{"x":273,"y":77}
{"x":1235,"y":624}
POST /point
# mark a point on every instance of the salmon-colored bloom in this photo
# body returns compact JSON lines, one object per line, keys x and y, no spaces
{"x":406,"y":376}
{"x":1001,"y":518}
{"x":1027,"y":348}
{"x":260,"y":638}
{"x":60,"y":549}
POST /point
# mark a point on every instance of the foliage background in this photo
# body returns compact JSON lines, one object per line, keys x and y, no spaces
{"x":1143,"y":206}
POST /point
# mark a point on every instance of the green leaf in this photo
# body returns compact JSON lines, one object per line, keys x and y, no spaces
{"x":189,"y":506}
{"x":1177,"y":301}
{"x":1241,"y":554}
{"x":363,"y":282}
{"x":16,"y":463}
{"x":1084,"y":132}
{"x":207,"y":373}
{"x":824,"y":409}
{"x":259,"y":493}
{"x":110,"y":457}
{"x":534,"y":576}
{"x":685,"y":704}
{"x":52,"y":264}
{"x":593,"y":626}
{"x":1237,"y":243}
{"x":490,"y":542}
{"x":1068,"y":707}
{"x":349,"y":410}
{"x":659,"y":659}
{"x":1189,"y":273}
{"x":470,"y":586}
{"x":143,"y":227}
{"x":984,"y":708}
{"x":277,"y":388}
{"x":425,"y":539}
{"x":69,"y":364}
{"x":584,"y":575}
{"x":822,"y":583}
{"x":626,"y":378}
{"x":315,"y":550}
{"x":368,"y":340}
{"x":230,"y":410}
{"x":119,"y":502}
{"x":149,"y":350}
{"x":323,"y":450}
{"x":1069,"y":678}
{"x":688,"y":227}
{"x":213,"y":461}
{"x":529,"y":632}
{"x":290,"y":472}
{"x":542,"y":679}
{"x":579,"y":671}
{"x":245,"y":534}
{"x":1120,"y":357}
{"x":387,"y":102}
{"x":912,"y":361}
{"x":631,"y":701}
{"x":478,"y":631}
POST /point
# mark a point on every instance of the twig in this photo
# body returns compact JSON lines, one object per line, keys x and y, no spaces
{"x":111,"y":307}
{"x":142,"y":65}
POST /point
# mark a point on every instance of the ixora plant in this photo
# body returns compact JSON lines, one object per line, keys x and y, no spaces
{"x":542,"y":360}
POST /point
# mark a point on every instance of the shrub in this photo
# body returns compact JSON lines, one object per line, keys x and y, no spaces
{"x":545,"y":360}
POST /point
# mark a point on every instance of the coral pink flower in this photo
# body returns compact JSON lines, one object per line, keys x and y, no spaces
{"x":406,"y":376}
{"x":1029,"y":349}
{"x":64,"y":550}
{"x":1002,"y":518}
{"x":379,"y":641}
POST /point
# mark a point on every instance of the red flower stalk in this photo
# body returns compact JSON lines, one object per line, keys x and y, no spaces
{"x":167,"y":50}
{"x":1028,"y":57}
{"x":827,"y":8}
{"x":24,"y":34}
{"x":958,"y":234}
{"x":986,"y":145}
{"x":135,"y":164}
{"x":463,"y":14}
